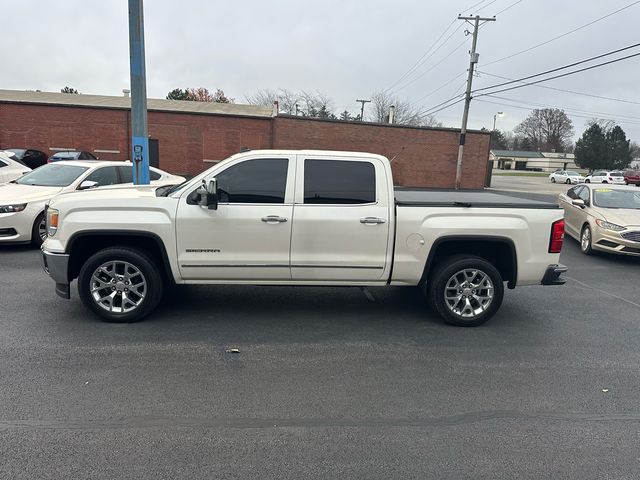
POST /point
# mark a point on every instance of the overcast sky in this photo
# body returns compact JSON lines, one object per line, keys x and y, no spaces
{"x":344,"y":48}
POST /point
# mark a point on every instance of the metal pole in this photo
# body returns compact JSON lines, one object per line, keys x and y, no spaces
{"x":467,"y":100}
{"x":362,"y":108}
{"x":139,"y":129}
{"x":494,"y":122}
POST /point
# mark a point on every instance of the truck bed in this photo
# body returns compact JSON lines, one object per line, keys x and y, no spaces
{"x":408,"y":197}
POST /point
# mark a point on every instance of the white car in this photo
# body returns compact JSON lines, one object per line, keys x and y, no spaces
{"x":22,"y":201}
{"x":606,"y":176}
{"x":10,"y":169}
{"x":566,"y":176}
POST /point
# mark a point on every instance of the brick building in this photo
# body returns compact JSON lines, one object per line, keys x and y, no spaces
{"x":193,"y":135}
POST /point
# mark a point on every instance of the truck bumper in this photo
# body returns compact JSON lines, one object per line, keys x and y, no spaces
{"x":552,"y":275}
{"x":56,"y":265}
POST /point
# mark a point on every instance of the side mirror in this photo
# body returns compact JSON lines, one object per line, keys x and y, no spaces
{"x":578,"y":202}
{"x":87,"y":184}
{"x":208,"y":195}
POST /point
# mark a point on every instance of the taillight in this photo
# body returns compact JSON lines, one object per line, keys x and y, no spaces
{"x":557,"y":236}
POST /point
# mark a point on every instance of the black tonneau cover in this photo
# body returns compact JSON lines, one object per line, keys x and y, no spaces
{"x":466,"y":198}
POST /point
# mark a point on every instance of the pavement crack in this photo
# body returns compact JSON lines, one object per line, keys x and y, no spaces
{"x":604,"y":292}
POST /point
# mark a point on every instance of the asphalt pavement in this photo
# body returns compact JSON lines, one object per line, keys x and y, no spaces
{"x":328,"y":382}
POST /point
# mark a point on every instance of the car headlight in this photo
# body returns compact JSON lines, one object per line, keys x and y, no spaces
{"x":52,"y":221}
{"x":609,"y":226}
{"x":12,"y":208}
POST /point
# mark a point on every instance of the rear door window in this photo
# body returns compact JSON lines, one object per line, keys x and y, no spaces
{"x":104,"y":176}
{"x":339,"y":182}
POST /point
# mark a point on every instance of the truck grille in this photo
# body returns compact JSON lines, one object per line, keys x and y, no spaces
{"x":633,"y":236}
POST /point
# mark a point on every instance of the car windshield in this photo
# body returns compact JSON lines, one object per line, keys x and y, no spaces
{"x":573,"y":174}
{"x":17,"y":151}
{"x":610,"y":198}
{"x":66,"y":155}
{"x":52,"y":175}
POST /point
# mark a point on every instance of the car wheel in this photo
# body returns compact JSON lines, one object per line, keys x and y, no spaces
{"x":553,"y":179}
{"x":39,"y":231}
{"x":120,"y":284}
{"x":585,"y":240}
{"x":568,"y":182}
{"x":587,"y":181}
{"x":465,"y":291}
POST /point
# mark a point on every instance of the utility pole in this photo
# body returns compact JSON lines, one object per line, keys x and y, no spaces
{"x":362,"y":108}
{"x":139,"y":129}
{"x":465,"y":116}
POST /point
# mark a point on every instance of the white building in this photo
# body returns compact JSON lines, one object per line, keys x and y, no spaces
{"x":532,"y":161}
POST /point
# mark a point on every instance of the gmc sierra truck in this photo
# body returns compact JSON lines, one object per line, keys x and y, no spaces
{"x":281,"y":217}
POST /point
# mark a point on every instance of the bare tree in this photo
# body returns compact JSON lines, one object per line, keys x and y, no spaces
{"x":405,"y":112}
{"x":547,"y":129}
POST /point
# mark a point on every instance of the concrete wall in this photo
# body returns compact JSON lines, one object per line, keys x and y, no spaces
{"x":189,"y":143}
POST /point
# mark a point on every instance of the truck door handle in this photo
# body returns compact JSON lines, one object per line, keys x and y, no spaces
{"x":371,"y":220}
{"x":273,"y":219}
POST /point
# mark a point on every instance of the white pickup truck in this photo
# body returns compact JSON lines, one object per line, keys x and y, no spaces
{"x":282,"y":217}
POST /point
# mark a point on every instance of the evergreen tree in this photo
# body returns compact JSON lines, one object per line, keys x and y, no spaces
{"x":68,"y":90}
{"x":178,"y":94}
{"x":618,"y":151}
{"x":591,"y":148}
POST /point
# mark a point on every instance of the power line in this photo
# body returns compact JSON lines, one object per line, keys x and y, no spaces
{"x":417,"y":64}
{"x":564,"y":34}
{"x":526,"y":84}
{"x":431,"y":111}
{"x":559,"y":68}
{"x":429,"y":53}
{"x":546,"y":105}
{"x":446,"y":57}
{"x":564,"y":90}
{"x":510,"y":105}
{"x":510,"y":6}
{"x":440,"y":87}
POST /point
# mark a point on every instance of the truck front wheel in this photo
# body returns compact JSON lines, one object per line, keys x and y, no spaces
{"x":120,"y":284}
{"x":465,"y":291}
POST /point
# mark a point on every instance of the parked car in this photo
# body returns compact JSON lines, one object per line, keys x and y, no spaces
{"x":603,"y":218}
{"x":11,"y":169}
{"x":283,"y":217}
{"x":72,"y":155}
{"x":605,"y":176}
{"x":22,"y":202}
{"x":566,"y":176}
{"x":632,"y":177}
{"x":30,"y":157}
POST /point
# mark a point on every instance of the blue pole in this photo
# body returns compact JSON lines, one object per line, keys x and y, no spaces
{"x":139,"y":129}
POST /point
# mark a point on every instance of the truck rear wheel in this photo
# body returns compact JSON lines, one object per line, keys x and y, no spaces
{"x":465,"y":291}
{"x":120,"y":284}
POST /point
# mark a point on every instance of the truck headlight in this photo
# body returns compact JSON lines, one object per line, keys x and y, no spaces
{"x":52,"y":221}
{"x":13,"y":208}
{"x":609,"y":226}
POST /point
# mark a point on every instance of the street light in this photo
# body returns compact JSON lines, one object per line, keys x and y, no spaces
{"x":497,"y":114}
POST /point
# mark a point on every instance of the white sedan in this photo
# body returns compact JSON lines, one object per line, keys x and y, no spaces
{"x":10,"y":169}
{"x":566,"y":176}
{"x":22,"y":201}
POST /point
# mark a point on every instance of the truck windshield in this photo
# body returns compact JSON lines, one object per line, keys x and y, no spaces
{"x":609,"y":198}
{"x":52,"y":175}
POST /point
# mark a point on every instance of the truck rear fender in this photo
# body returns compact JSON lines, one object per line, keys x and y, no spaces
{"x":500,"y":251}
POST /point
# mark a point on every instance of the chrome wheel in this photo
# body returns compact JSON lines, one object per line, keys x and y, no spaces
{"x":42,"y":229}
{"x":118,"y":286}
{"x":468,"y":293}
{"x":585,"y":239}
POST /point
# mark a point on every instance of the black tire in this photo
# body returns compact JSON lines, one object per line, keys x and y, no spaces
{"x":147,"y":272}
{"x":586,"y":247}
{"x":36,"y":239}
{"x":587,"y":181}
{"x":553,"y":179}
{"x":604,"y":181}
{"x":568,"y":182}
{"x":444,"y":271}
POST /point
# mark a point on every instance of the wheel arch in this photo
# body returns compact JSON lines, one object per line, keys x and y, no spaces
{"x":499,"y":251}
{"x":82,"y":245}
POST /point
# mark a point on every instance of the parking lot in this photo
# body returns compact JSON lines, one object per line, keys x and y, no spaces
{"x":327,"y":382}
{"x":532,"y":184}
